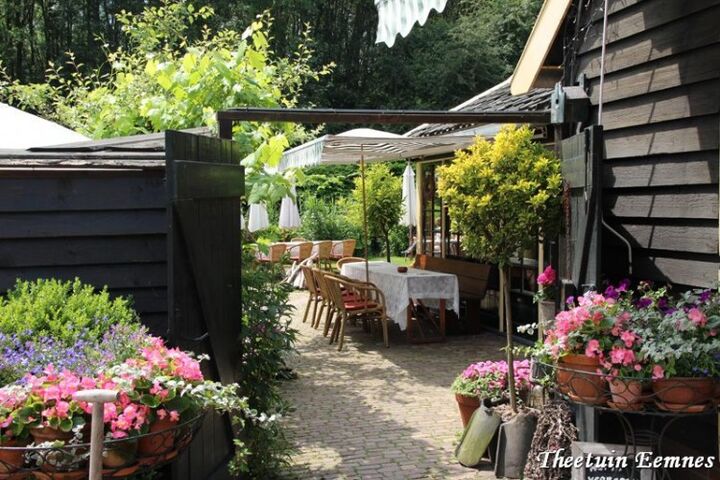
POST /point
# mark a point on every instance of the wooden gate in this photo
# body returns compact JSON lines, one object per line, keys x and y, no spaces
{"x":205,"y":182}
{"x":581,"y":155}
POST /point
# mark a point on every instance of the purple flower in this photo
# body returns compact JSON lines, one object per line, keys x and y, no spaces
{"x":643,"y":302}
{"x":623,"y":285}
{"x":570,"y":300}
{"x":611,"y":292}
{"x":705,"y":296}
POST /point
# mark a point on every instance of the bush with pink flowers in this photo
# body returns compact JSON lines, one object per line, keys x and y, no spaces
{"x":488,"y":379}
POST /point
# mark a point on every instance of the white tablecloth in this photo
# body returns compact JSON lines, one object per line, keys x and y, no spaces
{"x":400,"y":287}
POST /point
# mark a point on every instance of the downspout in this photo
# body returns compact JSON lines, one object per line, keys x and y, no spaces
{"x":599,"y":121}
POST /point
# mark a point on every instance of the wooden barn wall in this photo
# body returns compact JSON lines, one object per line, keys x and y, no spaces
{"x":106,"y":227}
{"x":660,"y":115}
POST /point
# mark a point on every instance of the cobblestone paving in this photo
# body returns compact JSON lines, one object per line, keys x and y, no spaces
{"x":374,"y":413}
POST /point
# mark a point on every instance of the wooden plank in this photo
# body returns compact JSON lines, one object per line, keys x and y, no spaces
{"x":702,"y":238}
{"x":114,"y":276}
{"x":678,"y":136}
{"x":625,"y":23}
{"x":145,"y":300}
{"x":693,"y":168}
{"x":85,"y":223}
{"x":155,"y":322}
{"x":118,"y":192}
{"x":82,"y":251}
{"x":675,"y":270}
{"x":207,"y":180}
{"x":693,"y":100}
{"x":692,"y":203}
{"x":694,"y":66}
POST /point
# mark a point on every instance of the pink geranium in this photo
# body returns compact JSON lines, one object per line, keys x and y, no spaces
{"x":547,"y":277}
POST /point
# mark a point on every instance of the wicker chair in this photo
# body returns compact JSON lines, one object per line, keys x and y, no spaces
{"x":314,"y":293}
{"x":345,"y":260}
{"x":300,"y":251}
{"x":354,"y":299}
{"x":323,"y":249}
{"x":343,"y":248}
{"x":298,"y":239}
{"x":275,"y":254}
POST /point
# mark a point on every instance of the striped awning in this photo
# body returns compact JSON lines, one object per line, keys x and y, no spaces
{"x":373,"y":145}
{"x":399,"y":16}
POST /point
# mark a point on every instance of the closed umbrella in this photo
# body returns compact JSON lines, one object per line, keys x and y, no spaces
{"x":258,"y":217}
{"x":242,"y":221}
{"x":289,"y":214}
{"x":409,"y":198}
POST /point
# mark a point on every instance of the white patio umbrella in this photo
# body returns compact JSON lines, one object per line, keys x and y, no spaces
{"x":242,"y":221}
{"x":409,"y":217}
{"x":22,"y":130}
{"x":289,"y":213}
{"x":258,"y":217}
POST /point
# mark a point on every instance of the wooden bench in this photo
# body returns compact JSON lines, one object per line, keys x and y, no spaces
{"x":474,"y":279}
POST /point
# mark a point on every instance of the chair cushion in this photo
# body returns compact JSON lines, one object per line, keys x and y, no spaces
{"x":359,"y":305}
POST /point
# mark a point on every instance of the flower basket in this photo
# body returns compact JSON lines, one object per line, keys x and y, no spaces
{"x":578,"y":378}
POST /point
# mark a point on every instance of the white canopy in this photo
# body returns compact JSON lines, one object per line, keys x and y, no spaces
{"x":22,"y":130}
{"x":375,"y":145}
{"x":399,"y":16}
{"x":289,"y":214}
{"x":258,"y":217}
{"x":409,"y":198}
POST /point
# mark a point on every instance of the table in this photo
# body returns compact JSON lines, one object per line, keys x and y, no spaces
{"x":401,"y":288}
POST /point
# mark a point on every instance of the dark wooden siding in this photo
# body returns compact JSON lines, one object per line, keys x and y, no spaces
{"x":661,"y":99}
{"x":105,"y":226}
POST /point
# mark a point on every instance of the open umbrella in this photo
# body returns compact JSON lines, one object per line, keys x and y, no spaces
{"x":258,"y":217}
{"x":22,"y":130}
{"x":289,"y":214}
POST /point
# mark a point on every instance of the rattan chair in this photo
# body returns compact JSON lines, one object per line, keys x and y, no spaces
{"x":323,"y":249}
{"x":298,"y":239}
{"x":300,"y":251}
{"x":354,"y":299}
{"x":313,"y":293}
{"x":345,"y":260}
{"x":274,"y":255}
{"x":343,"y":248}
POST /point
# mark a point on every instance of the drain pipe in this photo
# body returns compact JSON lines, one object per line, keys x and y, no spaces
{"x":600,"y":109}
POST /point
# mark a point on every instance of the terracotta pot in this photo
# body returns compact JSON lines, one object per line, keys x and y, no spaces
{"x":683,"y":392}
{"x":120,"y":454}
{"x":10,"y":460}
{"x":626,"y":392}
{"x":75,"y":475}
{"x":467,"y":406}
{"x":161,"y":441}
{"x":49,"y":434}
{"x":590,"y":387}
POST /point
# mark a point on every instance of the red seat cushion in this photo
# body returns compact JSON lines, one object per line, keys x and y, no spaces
{"x":359,"y":305}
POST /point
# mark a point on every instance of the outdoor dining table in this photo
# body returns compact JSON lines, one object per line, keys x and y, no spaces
{"x":400,"y":289}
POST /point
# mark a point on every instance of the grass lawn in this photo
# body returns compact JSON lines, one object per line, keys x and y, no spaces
{"x":396,"y":260}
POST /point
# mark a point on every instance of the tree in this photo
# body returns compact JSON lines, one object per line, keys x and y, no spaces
{"x":383,"y":202}
{"x":166,"y":79}
{"x":501,"y":195}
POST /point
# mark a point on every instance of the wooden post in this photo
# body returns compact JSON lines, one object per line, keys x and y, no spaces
{"x":98,"y":399}
{"x":365,"y":221}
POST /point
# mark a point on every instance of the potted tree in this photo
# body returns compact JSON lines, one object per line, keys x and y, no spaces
{"x":502,"y":195}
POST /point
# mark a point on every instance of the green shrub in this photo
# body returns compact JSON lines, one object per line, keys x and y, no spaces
{"x":323,"y":220}
{"x":65,"y":311}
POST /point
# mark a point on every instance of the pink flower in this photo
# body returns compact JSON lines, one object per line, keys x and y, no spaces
{"x":161,"y":413}
{"x":628,"y":338}
{"x":593,"y":348}
{"x":62,"y":408}
{"x":174,"y":416}
{"x":547,"y":277}
{"x":697,"y":317}
{"x":658,"y":372}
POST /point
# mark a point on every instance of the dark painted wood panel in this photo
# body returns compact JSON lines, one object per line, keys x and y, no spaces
{"x":695,"y":66}
{"x":676,"y":270}
{"x":81,"y":224}
{"x":82,"y":251}
{"x":117,"y":192}
{"x":693,"y":100}
{"x":691,"y":203}
{"x":207,"y":180}
{"x":682,"y":238}
{"x":114,"y":276}
{"x":145,"y":300}
{"x":692,"y":168}
{"x":678,"y":136}
{"x":625,"y":22}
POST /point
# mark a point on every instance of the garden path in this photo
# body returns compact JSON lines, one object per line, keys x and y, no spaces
{"x":374,"y":413}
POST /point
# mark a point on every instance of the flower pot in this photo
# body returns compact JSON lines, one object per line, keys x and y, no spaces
{"x":626,"y":392}
{"x":467,"y":406}
{"x":120,"y":454}
{"x":547,"y":314}
{"x":75,"y":475}
{"x":577,"y":377}
{"x":679,"y":393}
{"x":161,"y":439}
{"x":10,"y":459}
{"x":50,"y":434}
{"x":513,"y":446}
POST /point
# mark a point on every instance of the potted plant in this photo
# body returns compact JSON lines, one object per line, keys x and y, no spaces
{"x":14,"y":431}
{"x":486,"y":382}
{"x":545,"y":297}
{"x":684,"y":348}
{"x":502,"y":195}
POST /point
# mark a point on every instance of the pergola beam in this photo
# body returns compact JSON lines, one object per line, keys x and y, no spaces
{"x":226,"y":118}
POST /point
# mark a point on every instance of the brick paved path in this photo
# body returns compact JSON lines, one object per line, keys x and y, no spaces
{"x":374,"y":413}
